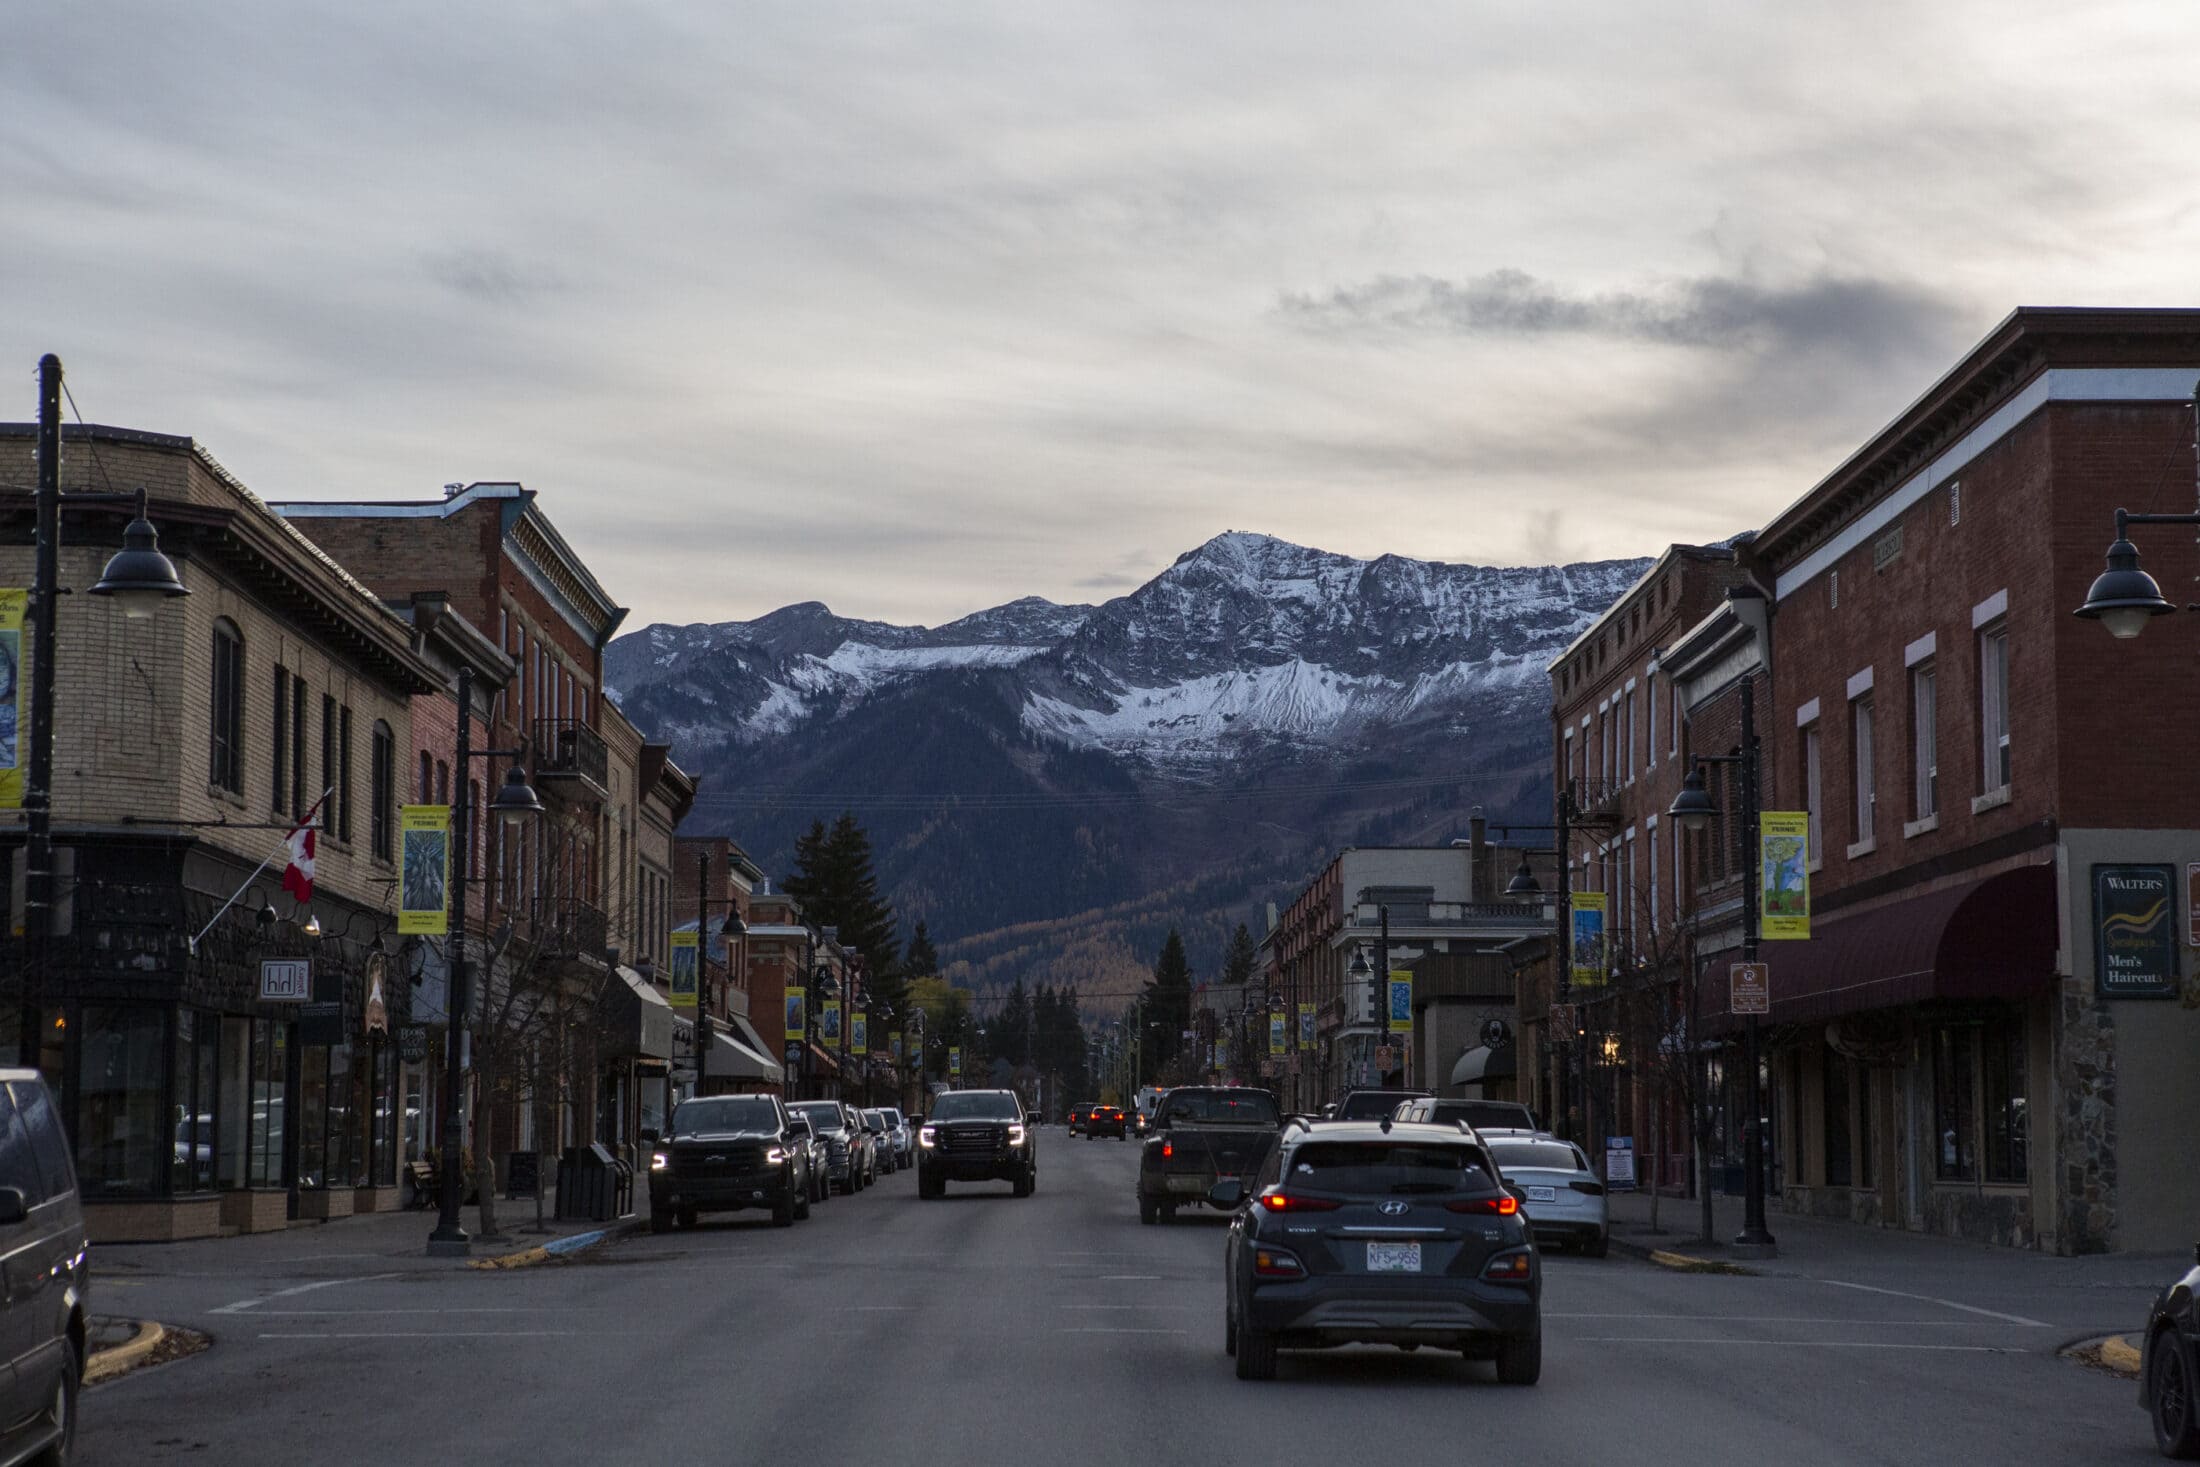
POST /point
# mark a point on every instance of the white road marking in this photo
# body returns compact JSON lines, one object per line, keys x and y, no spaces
{"x":1102,"y":1330}
{"x":1152,"y":1306}
{"x":1771,"y":1319}
{"x":872,"y":1308}
{"x":429,"y":1334}
{"x":1801,"y":1344}
{"x":1130,"y":1278}
{"x":2016,"y":1319}
{"x":243,"y":1304}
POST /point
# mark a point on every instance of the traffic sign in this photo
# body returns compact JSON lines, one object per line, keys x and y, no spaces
{"x":1749,"y":988}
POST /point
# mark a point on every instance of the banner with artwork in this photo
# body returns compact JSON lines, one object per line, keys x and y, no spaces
{"x":1401,"y":1001}
{"x":894,"y":1047}
{"x":1783,"y":887}
{"x":797,"y":1011}
{"x":13,"y":600}
{"x":954,"y":1062}
{"x":1306,"y":1026}
{"x":859,"y":1033}
{"x":828,"y":1022}
{"x":1276,"y":1032}
{"x":424,"y":870}
{"x":1588,"y":938}
{"x":683,"y":970}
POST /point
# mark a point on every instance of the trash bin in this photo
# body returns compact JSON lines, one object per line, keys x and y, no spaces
{"x":594,"y":1185}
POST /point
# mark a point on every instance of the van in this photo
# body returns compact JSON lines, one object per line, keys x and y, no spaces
{"x":43,"y":1259}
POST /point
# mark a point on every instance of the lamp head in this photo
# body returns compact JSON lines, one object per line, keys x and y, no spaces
{"x":2124,"y":598}
{"x":516,"y":802}
{"x":1523,"y":883}
{"x":1693,"y":806}
{"x":138,"y":575}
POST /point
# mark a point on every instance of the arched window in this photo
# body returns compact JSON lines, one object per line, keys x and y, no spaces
{"x":225,"y":732}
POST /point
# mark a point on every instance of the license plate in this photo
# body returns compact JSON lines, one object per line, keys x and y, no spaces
{"x":1194,"y":1185}
{"x":1394,"y":1258}
{"x":1543,"y":1194}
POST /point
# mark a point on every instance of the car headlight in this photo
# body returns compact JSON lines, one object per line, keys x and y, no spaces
{"x":774,"y":1156}
{"x":928,"y":1137}
{"x":658,"y":1161}
{"x":1015,"y":1135}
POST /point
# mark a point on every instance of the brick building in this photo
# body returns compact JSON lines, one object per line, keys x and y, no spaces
{"x":741,"y":1059}
{"x":186,"y":747}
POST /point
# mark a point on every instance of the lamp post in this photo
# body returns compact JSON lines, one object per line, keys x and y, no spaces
{"x":732,"y":929}
{"x":140,"y":578}
{"x":515,"y":804}
{"x":1693,"y":807}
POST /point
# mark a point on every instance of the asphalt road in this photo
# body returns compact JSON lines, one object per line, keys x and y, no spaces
{"x":1057,"y":1331}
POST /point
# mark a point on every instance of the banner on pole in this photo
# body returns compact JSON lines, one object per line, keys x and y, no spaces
{"x":1306,"y":1026}
{"x":1401,"y":1001}
{"x":683,"y":970}
{"x":797,"y":1011}
{"x":828,"y":1022}
{"x":894,"y":1046}
{"x":1783,"y":888}
{"x":954,"y":1062}
{"x":1275,"y":1033}
{"x":859,"y":1033}
{"x":424,"y":880}
{"x":14,"y":600}
{"x":1587,"y":920}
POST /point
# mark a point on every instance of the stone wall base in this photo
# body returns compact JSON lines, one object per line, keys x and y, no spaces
{"x":377,"y":1199}
{"x":164,"y":1221}
{"x":324,"y":1204}
{"x":256,"y":1210}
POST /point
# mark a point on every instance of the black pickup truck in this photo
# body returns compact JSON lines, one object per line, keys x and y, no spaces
{"x":1201,"y":1135}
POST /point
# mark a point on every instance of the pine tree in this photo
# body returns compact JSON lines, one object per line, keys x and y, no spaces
{"x":1010,"y":1030}
{"x":1241,"y":960}
{"x":920,"y":961}
{"x":837,"y":887}
{"x":1168,"y":1001}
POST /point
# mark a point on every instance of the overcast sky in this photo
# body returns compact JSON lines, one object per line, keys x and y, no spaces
{"x":918,"y":308}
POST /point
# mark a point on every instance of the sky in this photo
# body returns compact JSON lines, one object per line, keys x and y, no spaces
{"x":918,"y":308}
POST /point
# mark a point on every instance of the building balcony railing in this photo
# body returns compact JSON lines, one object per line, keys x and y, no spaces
{"x":568,"y":751}
{"x":1533,"y":915}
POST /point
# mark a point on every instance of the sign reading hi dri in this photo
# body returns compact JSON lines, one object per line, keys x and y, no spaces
{"x":2134,"y":932}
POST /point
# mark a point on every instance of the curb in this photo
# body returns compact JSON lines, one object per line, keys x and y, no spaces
{"x":1678,"y":1262}
{"x":2120,"y":1353}
{"x":122,"y":1358}
{"x":560,"y":1249}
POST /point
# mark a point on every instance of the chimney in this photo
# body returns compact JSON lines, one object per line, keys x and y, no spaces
{"x":1480,"y":886}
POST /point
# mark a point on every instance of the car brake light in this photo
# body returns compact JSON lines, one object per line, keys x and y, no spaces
{"x":1504,"y":1206}
{"x":1509,"y":1268}
{"x":1168,"y":1149}
{"x":1286,"y":1202}
{"x":1274,"y":1263}
{"x":1594,"y":1189}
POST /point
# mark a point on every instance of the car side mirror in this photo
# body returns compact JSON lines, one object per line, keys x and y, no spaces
{"x":1227,"y":1194}
{"x":13,"y":1207}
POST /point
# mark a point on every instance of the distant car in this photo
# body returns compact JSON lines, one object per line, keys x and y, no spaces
{"x":847,"y":1144}
{"x":1561,"y":1195}
{"x":821,"y":1159}
{"x":1104,"y":1120}
{"x":882,"y":1141}
{"x":976,"y":1136}
{"x":43,"y":1241}
{"x":724,"y":1153}
{"x":1374,"y":1105}
{"x":1402,"y":1234}
{"x":898,"y":1129}
{"x":1202,"y":1135}
{"x":1483,"y":1115}
{"x":1076,"y":1121}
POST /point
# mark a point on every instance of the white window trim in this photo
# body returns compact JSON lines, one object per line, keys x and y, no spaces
{"x":1807,"y":714}
{"x":1993,"y":606}
{"x":1924,"y":647}
{"x":1860,"y":683}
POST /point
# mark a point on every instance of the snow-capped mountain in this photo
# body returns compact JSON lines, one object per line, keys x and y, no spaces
{"x":1245,"y":642}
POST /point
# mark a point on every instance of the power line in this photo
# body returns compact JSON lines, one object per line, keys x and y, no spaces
{"x":787,"y":799}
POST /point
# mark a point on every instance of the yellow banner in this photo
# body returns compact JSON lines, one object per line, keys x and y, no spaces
{"x":1306,"y":1026}
{"x":1783,"y":874}
{"x":893,"y":1046}
{"x":954,"y":1062}
{"x":424,"y":880}
{"x":798,"y":1011}
{"x":828,"y":1022}
{"x":1587,"y":918}
{"x":683,"y":970}
{"x":859,"y":1034}
{"x":1401,"y":1001}
{"x":13,"y":600}
{"x":1276,"y":1032}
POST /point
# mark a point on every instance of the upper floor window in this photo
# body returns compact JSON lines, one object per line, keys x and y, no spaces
{"x":382,"y":791}
{"x":1993,"y":712}
{"x":225,"y":733}
{"x":424,"y":786}
{"x":1860,"y":759}
{"x":343,"y":773}
{"x":281,"y":739}
{"x":1814,"y":795}
{"x":1924,"y":742}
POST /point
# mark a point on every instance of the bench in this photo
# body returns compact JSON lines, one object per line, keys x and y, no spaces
{"x":427,"y":1183}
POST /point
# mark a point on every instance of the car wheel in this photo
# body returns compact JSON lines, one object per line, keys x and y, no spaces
{"x":802,"y":1208}
{"x":1229,"y":1332}
{"x":1168,"y":1212}
{"x":783,"y":1209}
{"x":660,"y":1222}
{"x":930,"y":1188}
{"x":61,"y":1412}
{"x":1256,"y":1354}
{"x":2170,"y":1392}
{"x":1520,"y":1361}
{"x":1148,"y":1213}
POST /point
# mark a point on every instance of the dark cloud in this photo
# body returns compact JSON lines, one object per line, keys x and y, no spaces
{"x":492,"y":275}
{"x":1723,"y":313}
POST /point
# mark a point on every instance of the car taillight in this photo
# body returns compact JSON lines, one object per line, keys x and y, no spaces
{"x":1510,"y":1268}
{"x":1168,"y":1149}
{"x":1504,"y":1206}
{"x":1277,"y":1201}
{"x":1274,"y":1263}
{"x":1594,"y":1189}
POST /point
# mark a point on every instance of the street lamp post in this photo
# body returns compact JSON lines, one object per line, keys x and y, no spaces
{"x":515,"y":804}
{"x":732,"y":929}
{"x":140,"y":578}
{"x":1693,"y":807}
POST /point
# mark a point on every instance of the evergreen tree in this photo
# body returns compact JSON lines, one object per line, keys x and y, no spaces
{"x":1168,"y":1003}
{"x":837,"y":886}
{"x":920,"y":961}
{"x":1241,"y":960}
{"x":1010,"y":1031}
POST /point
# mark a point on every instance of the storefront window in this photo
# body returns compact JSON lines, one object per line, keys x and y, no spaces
{"x":198,"y":1077}
{"x":416,"y":1113}
{"x":1980,"y":1093}
{"x":313,"y":1116}
{"x":123,"y":1142}
{"x":270,"y":1094}
{"x":2001,"y":1081}
{"x":382,"y":1103}
{"x":1955,"y":1116}
{"x":1836,"y":1093}
{"x":343,"y":1135}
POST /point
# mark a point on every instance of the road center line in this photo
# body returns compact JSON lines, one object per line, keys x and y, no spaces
{"x":1801,"y":1344}
{"x":243,"y":1304}
{"x":1125,"y":1330}
{"x":2016,"y":1319}
{"x":428,"y":1334}
{"x":1130,"y":1278}
{"x":1772,"y":1319}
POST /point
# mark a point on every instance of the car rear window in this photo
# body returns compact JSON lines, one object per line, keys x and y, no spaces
{"x":1554,"y":1156}
{"x":1386,"y":1167}
{"x":1485,"y":1114}
{"x":1373,"y":1105}
{"x":1249,"y":1107}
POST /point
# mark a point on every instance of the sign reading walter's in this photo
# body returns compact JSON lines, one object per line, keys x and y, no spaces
{"x":2135,"y":931}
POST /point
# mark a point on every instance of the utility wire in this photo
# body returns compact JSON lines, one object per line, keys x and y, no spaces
{"x":787,"y":799}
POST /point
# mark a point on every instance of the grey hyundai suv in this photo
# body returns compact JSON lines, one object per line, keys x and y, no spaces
{"x":42,"y":1252}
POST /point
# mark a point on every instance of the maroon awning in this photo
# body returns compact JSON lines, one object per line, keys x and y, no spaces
{"x":1992,"y":938}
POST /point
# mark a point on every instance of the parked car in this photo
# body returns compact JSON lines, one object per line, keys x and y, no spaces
{"x":882,"y":1142}
{"x":976,"y":1136}
{"x":1373,"y":1105}
{"x":903,"y":1137}
{"x":1075,"y":1123}
{"x":727,"y":1152}
{"x":1416,"y":1242}
{"x":43,"y":1248}
{"x":847,"y":1144}
{"x":821,"y":1160}
{"x":2169,"y":1366}
{"x":1202,"y":1135}
{"x":1104,"y":1120}
{"x":1482,"y":1115}
{"x":1561,"y":1196}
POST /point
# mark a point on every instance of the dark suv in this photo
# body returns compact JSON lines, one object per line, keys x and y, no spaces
{"x":976,"y":1136}
{"x":727,"y":1152}
{"x":42,"y":1249}
{"x":1394,"y":1234}
{"x":846,"y":1142}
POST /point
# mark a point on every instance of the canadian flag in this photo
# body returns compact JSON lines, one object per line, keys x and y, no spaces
{"x":298,"y":875}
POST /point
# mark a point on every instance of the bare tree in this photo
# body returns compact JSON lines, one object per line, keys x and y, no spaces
{"x":1661,"y":1006}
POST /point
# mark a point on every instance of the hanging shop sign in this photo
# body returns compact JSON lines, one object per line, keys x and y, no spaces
{"x":684,"y":953}
{"x":286,"y":980}
{"x":424,"y":874}
{"x":412,"y":1043}
{"x":377,"y":1007}
{"x":1588,"y":938}
{"x":1783,"y":885}
{"x":2134,"y":932}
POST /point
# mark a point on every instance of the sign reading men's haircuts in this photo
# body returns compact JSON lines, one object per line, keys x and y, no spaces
{"x":2135,"y":932}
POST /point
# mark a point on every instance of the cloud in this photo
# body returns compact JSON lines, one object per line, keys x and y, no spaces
{"x":491,"y":275}
{"x":1852,"y":314}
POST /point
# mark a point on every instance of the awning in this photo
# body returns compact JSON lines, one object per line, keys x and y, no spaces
{"x":1484,"y":1063}
{"x":636,"y":1019}
{"x":746,"y":1031}
{"x":1994,"y":938}
{"x":730,"y":1059}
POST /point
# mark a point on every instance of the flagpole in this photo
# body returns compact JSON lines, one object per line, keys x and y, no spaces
{"x":191,"y":945}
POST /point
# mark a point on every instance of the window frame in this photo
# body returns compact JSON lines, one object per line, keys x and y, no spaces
{"x":1863,"y":762}
{"x":1814,"y":794}
{"x":1996,"y":747}
{"x":381,"y":782}
{"x":225,"y":721}
{"x":1925,"y":739}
